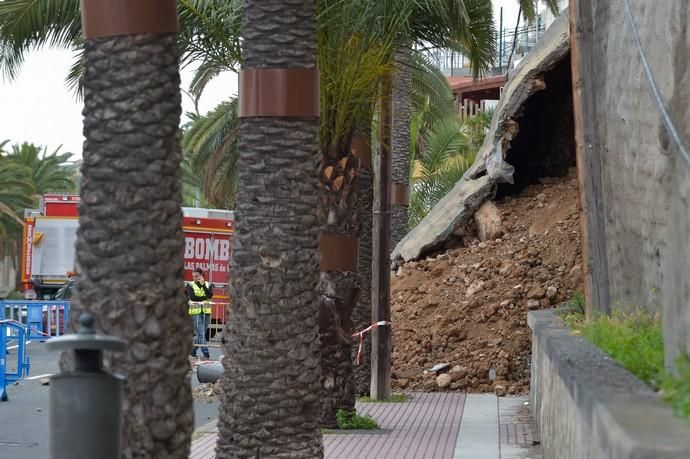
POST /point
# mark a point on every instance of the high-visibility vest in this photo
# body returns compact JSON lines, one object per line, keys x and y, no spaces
{"x":194,"y":306}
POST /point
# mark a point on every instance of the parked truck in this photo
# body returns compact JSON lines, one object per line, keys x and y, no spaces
{"x":50,"y":233}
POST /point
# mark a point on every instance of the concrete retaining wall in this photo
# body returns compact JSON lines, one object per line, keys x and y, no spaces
{"x":643,"y":201}
{"x":586,"y":406}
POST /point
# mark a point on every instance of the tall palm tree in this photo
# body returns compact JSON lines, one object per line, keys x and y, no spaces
{"x":129,"y":242}
{"x":48,"y":172}
{"x":270,"y":403}
{"x":461,"y":25}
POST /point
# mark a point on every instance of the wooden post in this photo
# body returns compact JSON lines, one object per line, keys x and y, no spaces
{"x":381,"y":271}
{"x":594,"y":260}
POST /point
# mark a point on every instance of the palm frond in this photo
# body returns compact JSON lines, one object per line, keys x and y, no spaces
{"x":203,"y":75}
{"x":28,"y":24}
{"x":462,"y":25}
{"x":446,"y":156}
{"x":210,"y":144}
{"x":47,"y":172}
{"x":210,"y":32}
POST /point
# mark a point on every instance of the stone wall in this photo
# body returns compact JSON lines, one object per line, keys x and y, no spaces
{"x":639,"y":243}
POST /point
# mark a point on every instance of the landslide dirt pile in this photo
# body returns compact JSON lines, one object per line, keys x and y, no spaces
{"x":467,"y":307}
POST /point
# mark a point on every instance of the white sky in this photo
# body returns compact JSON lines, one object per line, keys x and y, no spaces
{"x":37,"y":107}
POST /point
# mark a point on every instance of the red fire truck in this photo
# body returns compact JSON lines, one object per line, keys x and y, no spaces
{"x":50,"y":233}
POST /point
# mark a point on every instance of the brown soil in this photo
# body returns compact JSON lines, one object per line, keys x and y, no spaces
{"x":468,"y":307}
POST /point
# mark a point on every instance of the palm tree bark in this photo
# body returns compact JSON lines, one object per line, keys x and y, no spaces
{"x":400,"y":138}
{"x":129,"y":243}
{"x":361,"y":316}
{"x":270,"y":403}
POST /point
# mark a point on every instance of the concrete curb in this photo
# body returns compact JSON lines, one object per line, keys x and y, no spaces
{"x":587,"y":406}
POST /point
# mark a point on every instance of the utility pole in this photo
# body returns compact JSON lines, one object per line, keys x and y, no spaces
{"x":381,"y":272}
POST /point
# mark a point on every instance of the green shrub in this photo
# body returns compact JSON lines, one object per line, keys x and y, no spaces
{"x":350,"y":420}
{"x":675,"y":389}
{"x":636,"y":342}
{"x":633,"y":340}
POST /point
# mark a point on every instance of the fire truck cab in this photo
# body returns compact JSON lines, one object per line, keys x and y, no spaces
{"x":50,"y":232}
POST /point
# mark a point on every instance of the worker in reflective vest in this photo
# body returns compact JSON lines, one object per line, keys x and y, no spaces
{"x":199,"y":293}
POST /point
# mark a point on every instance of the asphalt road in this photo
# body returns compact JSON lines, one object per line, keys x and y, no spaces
{"x":24,"y":427}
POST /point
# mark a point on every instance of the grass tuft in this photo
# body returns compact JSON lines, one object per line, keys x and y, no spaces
{"x":350,"y":420}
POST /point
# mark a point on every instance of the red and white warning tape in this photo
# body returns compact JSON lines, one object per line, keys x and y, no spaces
{"x":381,"y":323}
{"x":24,"y":325}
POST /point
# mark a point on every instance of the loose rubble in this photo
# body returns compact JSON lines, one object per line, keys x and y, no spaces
{"x":468,"y":306}
{"x":207,"y":392}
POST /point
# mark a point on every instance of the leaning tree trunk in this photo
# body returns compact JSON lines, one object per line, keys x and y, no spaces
{"x":270,"y":404}
{"x":339,"y":283}
{"x":402,"y":114}
{"x":129,"y":243}
{"x":361,"y":316}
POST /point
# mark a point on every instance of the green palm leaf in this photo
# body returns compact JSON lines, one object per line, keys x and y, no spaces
{"x":47,"y":172}
{"x":29,"y":24}
{"x":210,"y":143}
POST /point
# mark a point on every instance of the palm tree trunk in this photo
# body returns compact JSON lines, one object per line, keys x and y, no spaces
{"x":129,"y":243}
{"x":339,"y":284}
{"x":400,"y":138}
{"x":361,"y":316}
{"x":270,"y":403}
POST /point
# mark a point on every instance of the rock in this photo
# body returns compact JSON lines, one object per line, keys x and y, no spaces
{"x":551,"y":292}
{"x":456,"y":332}
{"x":488,"y":220}
{"x":541,"y":197}
{"x":533,"y":304}
{"x":476,"y":287}
{"x":576,"y":274}
{"x":399,"y":272}
{"x":406,"y":374}
{"x":403,"y":383}
{"x":430,"y":384}
{"x":439,"y":367}
{"x":492,"y":374}
{"x":444,"y":380}
{"x":457,"y":373}
{"x":456,"y":386}
{"x":44,"y":381}
{"x":430,"y":302}
{"x":536,"y":293}
{"x":499,"y":390}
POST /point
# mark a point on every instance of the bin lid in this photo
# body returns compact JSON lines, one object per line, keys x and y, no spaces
{"x":86,"y":339}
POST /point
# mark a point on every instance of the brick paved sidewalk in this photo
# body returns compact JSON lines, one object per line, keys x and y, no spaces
{"x":429,"y":425}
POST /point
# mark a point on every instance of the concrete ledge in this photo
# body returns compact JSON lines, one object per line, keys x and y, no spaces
{"x":587,"y":406}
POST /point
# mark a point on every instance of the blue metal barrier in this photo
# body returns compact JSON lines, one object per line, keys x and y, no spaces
{"x":42,"y":318}
{"x":10,"y":329}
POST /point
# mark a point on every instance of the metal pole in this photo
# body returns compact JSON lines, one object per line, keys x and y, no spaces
{"x":380,"y":283}
{"x":500,"y":44}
